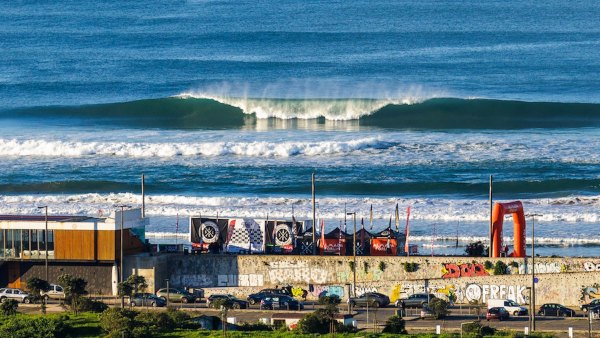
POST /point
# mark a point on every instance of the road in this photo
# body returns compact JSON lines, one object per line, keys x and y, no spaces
{"x":376,"y":318}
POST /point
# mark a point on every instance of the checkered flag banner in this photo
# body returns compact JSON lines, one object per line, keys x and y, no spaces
{"x":248,"y":235}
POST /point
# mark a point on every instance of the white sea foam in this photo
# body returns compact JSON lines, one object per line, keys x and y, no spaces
{"x":56,"y":148}
{"x":561,"y":223}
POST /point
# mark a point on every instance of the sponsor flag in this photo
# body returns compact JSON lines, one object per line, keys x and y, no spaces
{"x":389,"y":238}
{"x":362,"y":233}
{"x":371,"y":218}
{"x":340,"y":239}
{"x":397,"y":218}
{"x":406,"y":229}
{"x":322,"y":235}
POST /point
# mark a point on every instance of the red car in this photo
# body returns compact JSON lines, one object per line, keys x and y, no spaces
{"x":499,"y":313}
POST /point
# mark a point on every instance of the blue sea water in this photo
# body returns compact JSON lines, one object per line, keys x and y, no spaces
{"x":229,"y":107}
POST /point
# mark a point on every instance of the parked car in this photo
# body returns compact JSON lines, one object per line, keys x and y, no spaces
{"x":19,"y":295}
{"x":55,"y":292}
{"x":499,"y":313}
{"x":553,"y":309}
{"x":236,"y":302}
{"x":147,"y":299}
{"x":415,"y":300}
{"x":511,"y":306}
{"x":594,"y":312}
{"x":426,"y":312}
{"x":371,"y":299}
{"x":280,"y":302}
{"x":256,"y":298}
{"x":176,"y":295}
{"x":593,"y":303}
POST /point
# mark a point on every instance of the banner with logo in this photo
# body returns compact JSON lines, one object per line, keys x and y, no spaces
{"x":380,"y":247}
{"x":246,"y":236}
{"x":333,"y":246}
{"x":208,"y":233}
{"x":279,"y":236}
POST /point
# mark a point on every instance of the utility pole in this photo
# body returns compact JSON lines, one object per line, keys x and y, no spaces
{"x":122,"y":206}
{"x":533,"y":269}
{"x":353,"y":246}
{"x":491,"y":216}
{"x":46,"y":240}
{"x":143,"y":198}
{"x":314,"y":217}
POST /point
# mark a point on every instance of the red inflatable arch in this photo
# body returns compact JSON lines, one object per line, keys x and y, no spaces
{"x":501,"y":209}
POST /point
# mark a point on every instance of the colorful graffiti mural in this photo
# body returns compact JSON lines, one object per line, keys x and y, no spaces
{"x":451,"y":270}
{"x":591,"y":266}
{"x":588,"y":293}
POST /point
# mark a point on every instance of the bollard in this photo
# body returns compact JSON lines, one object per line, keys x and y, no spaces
{"x":438,"y":329}
{"x":570,"y":332}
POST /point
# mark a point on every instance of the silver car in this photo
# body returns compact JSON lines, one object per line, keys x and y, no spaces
{"x":19,"y":295}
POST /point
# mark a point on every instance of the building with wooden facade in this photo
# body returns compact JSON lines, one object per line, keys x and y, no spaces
{"x":79,"y":245}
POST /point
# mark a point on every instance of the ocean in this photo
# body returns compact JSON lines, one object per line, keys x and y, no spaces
{"x":229,"y":107}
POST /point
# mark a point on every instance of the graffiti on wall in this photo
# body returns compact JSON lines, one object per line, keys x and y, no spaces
{"x":328,"y":290}
{"x":591,"y":266}
{"x":588,"y":293}
{"x":463,"y":292}
{"x":195,"y":280}
{"x":361,"y":290}
{"x":482,"y":293}
{"x":549,"y":267}
{"x":297,"y":272}
{"x":240,"y":280}
{"x":451,"y":270}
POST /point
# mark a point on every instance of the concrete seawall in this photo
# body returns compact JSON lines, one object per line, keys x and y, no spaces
{"x":569,"y":281}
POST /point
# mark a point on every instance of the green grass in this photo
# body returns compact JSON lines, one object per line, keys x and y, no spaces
{"x":87,"y":324}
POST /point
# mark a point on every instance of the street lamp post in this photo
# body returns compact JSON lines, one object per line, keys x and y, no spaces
{"x":167,"y":280}
{"x":46,"y":240}
{"x":354,"y":248}
{"x":533,"y":269}
{"x":122,"y":206}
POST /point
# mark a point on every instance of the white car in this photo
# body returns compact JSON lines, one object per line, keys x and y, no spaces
{"x":19,"y":295}
{"x":55,"y":292}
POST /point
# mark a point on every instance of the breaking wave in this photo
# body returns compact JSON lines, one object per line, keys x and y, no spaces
{"x":187,"y":111}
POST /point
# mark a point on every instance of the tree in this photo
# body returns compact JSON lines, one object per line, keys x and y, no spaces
{"x":74,"y":289}
{"x":36,"y":286}
{"x":395,"y":325}
{"x":322,"y":320}
{"x":439,"y":308}
{"x":9,"y":307}
{"x":476,"y":249}
{"x":132,"y":285}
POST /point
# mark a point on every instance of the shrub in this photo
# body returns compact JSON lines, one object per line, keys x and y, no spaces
{"x":90,"y":305}
{"x":155,"y":321}
{"x":410,"y":267}
{"x":500,"y":268}
{"x":394,"y":325}
{"x":321,"y":321}
{"x":382,"y":266}
{"x":514,"y":264}
{"x":351,"y":265}
{"x":181,"y":319}
{"x":259,"y":326}
{"x":475,"y":328}
{"x":9,"y":307}
{"x":28,"y":326}
{"x":439,"y":308}
{"x":366,"y":267}
{"x":117,"y":321}
{"x":488,"y":265}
